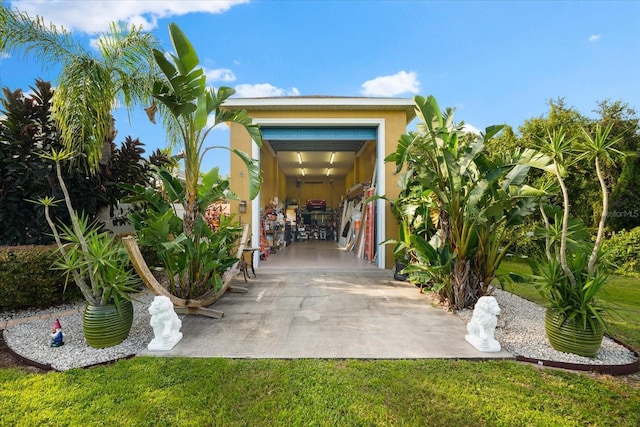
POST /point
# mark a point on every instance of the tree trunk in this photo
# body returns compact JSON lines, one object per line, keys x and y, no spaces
{"x":603,"y":220}
{"x":460,"y":284}
{"x":565,"y":226}
{"x":108,"y":144}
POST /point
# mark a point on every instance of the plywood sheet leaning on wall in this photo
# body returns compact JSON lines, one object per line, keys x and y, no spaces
{"x":345,"y":224}
{"x":369,"y":225}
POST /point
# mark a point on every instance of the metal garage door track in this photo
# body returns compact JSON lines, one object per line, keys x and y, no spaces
{"x":319,"y":308}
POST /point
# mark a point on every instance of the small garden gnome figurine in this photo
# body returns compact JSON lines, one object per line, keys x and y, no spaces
{"x":56,"y":334}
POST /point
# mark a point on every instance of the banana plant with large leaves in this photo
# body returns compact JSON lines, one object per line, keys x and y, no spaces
{"x":190,"y":104}
{"x":194,"y":257}
{"x":473,"y":199}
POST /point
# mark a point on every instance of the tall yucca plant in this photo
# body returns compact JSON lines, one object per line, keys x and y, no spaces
{"x":91,"y":83}
{"x":190,"y":103}
{"x":569,"y":277}
{"x":560,"y":148}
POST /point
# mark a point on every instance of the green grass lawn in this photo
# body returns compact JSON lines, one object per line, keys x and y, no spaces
{"x":222,"y":392}
{"x":621,"y":293}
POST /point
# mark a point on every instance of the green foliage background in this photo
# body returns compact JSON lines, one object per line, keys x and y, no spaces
{"x":622,"y":177}
{"x":622,"y":250}
{"x":581,"y":183}
{"x":28,"y":130}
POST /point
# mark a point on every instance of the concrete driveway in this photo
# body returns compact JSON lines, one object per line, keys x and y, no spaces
{"x":317,"y":307}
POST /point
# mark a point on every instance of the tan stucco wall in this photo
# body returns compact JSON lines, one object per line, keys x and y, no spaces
{"x":331,"y":190}
{"x":365,"y":163}
{"x":275,"y":183}
{"x":238,"y":176}
{"x":394,"y":129}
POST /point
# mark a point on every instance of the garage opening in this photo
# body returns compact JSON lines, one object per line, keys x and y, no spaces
{"x":342,"y":143}
{"x":323,"y":176}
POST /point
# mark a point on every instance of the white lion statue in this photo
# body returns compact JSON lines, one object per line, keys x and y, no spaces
{"x":165,"y":323}
{"x":482,"y":326}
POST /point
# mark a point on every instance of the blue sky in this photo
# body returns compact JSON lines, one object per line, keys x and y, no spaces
{"x":495,"y":62}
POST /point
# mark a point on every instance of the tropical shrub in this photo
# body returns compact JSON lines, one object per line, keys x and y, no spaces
{"x":194,"y":266}
{"x":471,"y":199}
{"x":525,"y":244}
{"x":127,"y":167}
{"x":26,"y":131}
{"x":193,"y":255}
{"x":625,"y":198}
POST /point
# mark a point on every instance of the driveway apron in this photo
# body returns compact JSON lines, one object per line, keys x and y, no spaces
{"x":313,"y":300}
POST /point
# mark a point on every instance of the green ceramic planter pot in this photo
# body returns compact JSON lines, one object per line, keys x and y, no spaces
{"x":571,"y":337}
{"x":104,"y":326}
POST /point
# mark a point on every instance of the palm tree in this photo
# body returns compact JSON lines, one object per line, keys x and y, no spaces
{"x":91,"y":84}
{"x":190,"y":103}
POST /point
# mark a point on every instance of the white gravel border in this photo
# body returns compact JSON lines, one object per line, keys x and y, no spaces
{"x":520,"y":331}
{"x":32,"y":339}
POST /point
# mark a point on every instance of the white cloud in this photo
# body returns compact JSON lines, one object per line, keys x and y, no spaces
{"x":219,"y":75}
{"x":221,"y":127}
{"x":4,"y":55}
{"x":95,"y":15}
{"x":594,"y":37}
{"x":394,"y":85}
{"x":94,"y":43}
{"x":467,"y":128}
{"x":264,"y":90}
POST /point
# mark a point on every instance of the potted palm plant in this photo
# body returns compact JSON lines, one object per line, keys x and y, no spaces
{"x":99,"y":266}
{"x":570,"y":275}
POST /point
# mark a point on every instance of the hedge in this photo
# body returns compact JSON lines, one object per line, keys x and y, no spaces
{"x":26,"y":280}
{"x":623,"y":251}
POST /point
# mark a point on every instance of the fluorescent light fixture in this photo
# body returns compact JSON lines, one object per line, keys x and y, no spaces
{"x":328,"y":171}
{"x":299,"y":158}
{"x":333,"y":156}
{"x":302,"y":169}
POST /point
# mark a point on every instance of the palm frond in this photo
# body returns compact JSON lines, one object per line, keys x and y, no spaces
{"x":90,"y":85}
{"x":24,"y":34}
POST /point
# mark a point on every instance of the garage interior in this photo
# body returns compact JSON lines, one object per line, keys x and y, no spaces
{"x":323,"y":175}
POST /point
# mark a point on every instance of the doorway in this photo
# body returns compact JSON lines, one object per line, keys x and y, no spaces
{"x":323,"y":170}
